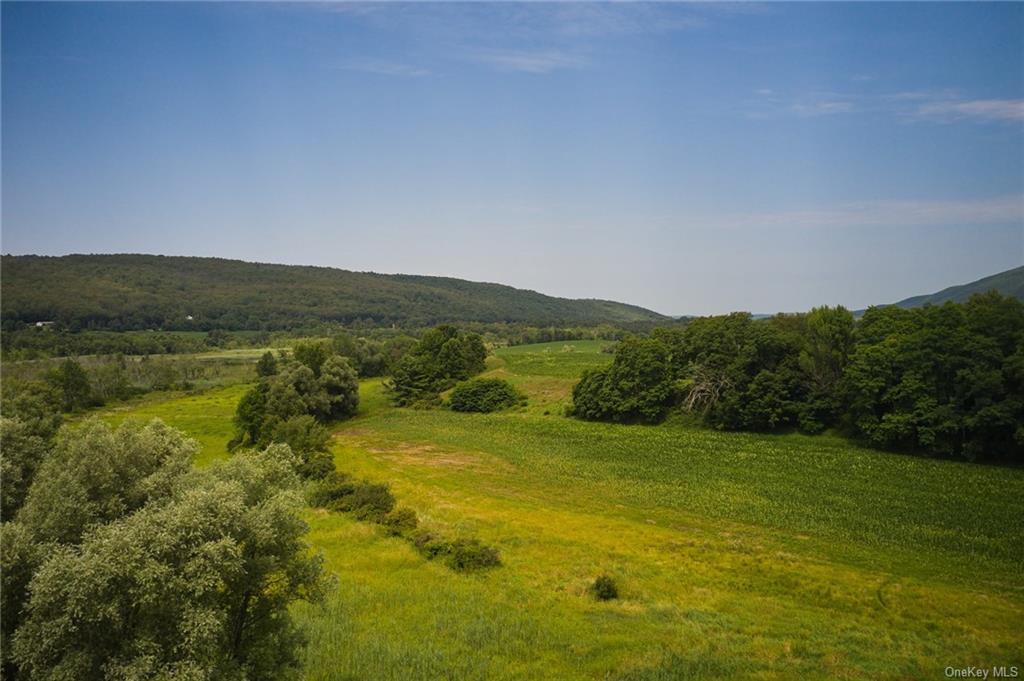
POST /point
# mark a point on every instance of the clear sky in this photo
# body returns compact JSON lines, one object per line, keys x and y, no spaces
{"x":688,"y":158}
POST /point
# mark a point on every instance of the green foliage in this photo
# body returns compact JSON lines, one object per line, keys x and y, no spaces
{"x":469,"y":555}
{"x":307,"y":440}
{"x":368,"y":501}
{"x":941,"y":379}
{"x":20,"y":557}
{"x":313,"y":354}
{"x":339,"y":380}
{"x":195,"y":587}
{"x":72,"y":383}
{"x":295,"y":391}
{"x":430,"y":545}
{"x":636,"y":387}
{"x":441,"y":358}
{"x":400,"y":521}
{"x":35,"y":403}
{"x":604,"y":588}
{"x":938,"y":380}
{"x":331,"y":489}
{"x":267,"y":365}
{"x":96,"y":474}
{"x":372,"y":357}
{"x":21,"y":453}
{"x":484,"y":395}
{"x":123,"y":292}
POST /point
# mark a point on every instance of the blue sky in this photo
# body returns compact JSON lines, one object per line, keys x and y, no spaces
{"x":690,"y":158}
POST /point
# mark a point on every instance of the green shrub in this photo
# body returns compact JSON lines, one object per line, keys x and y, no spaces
{"x":604,"y":588}
{"x":400,"y":521}
{"x":429,"y":544}
{"x":467,"y":555}
{"x":368,"y":501}
{"x":484,"y":395}
{"x":317,"y":467}
{"x":331,"y":489}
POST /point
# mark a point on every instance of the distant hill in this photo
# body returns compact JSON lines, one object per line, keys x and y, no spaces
{"x":1009,"y":283}
{"x":123,"y":292}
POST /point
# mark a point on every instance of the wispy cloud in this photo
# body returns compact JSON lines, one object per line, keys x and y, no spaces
{"x":528,"y":61}
{"x":898,"y":213}
{"x":384,"y":68}
{"x":914,"y":105}
{"x":984,"y":109}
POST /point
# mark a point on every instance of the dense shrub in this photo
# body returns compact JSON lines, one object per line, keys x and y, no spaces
{"x":400,"y":521}
{"x":331,"y":391}
{"x":430,"y":544}
{"x":636,"y":387}
{"x":484,"y":395}
{"x":333,"y":487}
{"x":604,"y":588}
{"x":368,"y":501}
{"x":441,"y":358}
{"x":467,"y":555}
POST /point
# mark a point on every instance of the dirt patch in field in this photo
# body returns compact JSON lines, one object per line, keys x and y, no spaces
{"x":421,"y":454}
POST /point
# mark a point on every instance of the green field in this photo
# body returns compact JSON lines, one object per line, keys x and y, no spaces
{"x":738,"y":555}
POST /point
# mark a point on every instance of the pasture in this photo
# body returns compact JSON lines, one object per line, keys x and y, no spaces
{"x":737,"y":555}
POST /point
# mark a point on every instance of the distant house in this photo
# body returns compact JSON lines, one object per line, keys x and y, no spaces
{"x":43,"y":325}
{"x":188,"y":317}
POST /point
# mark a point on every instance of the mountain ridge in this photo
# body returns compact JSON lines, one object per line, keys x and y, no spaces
{"x":1009,"y":282}
{"x":134,"y":291}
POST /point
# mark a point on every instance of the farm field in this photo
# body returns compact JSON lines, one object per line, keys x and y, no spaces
{"x":737,"y":555}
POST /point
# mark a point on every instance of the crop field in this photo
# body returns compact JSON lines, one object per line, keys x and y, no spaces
{"x":737,"y":555}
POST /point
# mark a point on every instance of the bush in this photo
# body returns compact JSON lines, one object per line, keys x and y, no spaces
{"x":604,"y":588}
{"x":484,"y":395}
{"x":430,"y":545}
{"x":332,"y":488}
{"x":467,"y":555}
{"x":400,"y":520}
{"x":637,"y":386}
{"x":317,"y":467}
{"x":367,"y":501}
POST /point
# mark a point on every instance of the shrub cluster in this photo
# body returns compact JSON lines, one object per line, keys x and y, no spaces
{"x":374,"y":502}
{"x":441,"y":358}
{"x":461,"y":555}
{"x":293,"y":398}
{"x":365,"y":500}
{"x":484,"y":395}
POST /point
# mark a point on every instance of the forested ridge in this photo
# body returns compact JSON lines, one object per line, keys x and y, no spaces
{"x":131,"y":292}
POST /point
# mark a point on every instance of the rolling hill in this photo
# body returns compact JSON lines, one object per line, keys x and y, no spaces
{"x":125,"y":292}
{"x":1009,"y":283}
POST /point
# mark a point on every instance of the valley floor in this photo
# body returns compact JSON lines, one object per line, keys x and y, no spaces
{"x":737,"y":555}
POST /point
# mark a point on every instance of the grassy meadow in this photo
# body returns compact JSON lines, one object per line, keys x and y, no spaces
{"x":737,"y":555}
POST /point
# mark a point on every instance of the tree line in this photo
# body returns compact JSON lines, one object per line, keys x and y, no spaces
{"x":944,"y":380}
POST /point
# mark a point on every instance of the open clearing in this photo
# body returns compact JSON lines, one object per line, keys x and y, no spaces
{"x":737,"y":555}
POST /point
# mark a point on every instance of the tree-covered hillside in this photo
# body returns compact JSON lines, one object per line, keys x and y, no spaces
{"x":123,"y":292}
{"x":1009,"y":283}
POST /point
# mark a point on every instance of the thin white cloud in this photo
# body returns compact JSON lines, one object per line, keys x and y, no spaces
{"x":384,"y":68}
{"x":528,"y":61}
{"x":824,"y":107}
{"x":984,"y":109}
{"x":915,"y":105}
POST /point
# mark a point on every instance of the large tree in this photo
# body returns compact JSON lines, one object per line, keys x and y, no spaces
{"x":193,"y":587}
